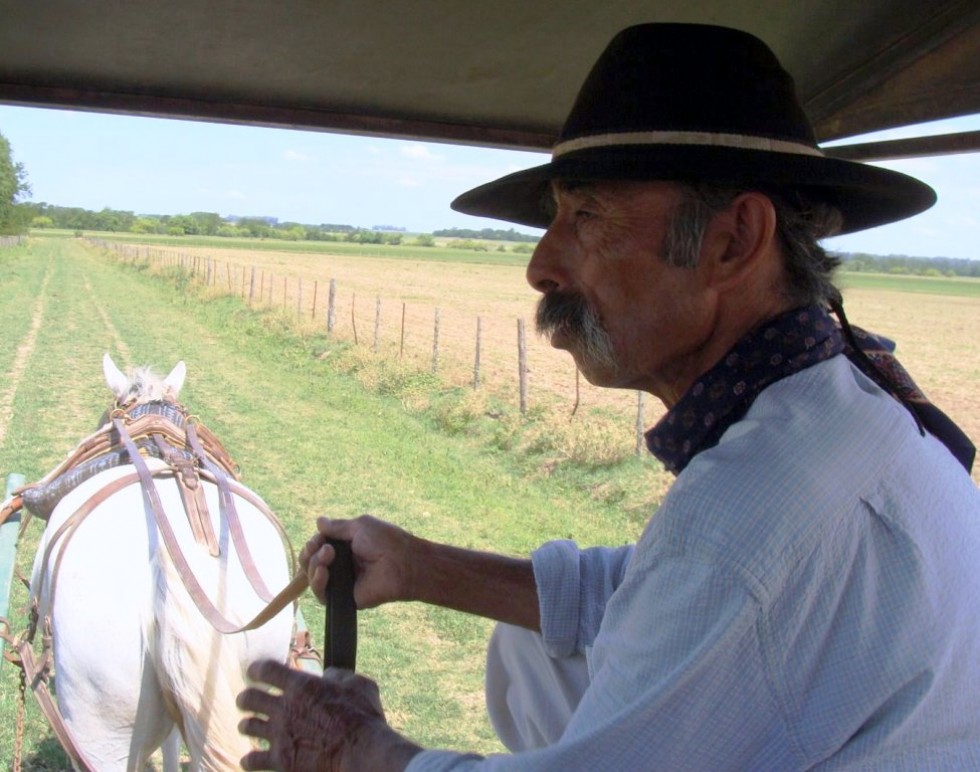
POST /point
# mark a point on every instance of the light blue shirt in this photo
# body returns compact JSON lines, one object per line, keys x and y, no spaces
{"x":807,"y":596}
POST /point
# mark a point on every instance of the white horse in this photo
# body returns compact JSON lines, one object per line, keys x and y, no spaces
{"x":136,"y":660}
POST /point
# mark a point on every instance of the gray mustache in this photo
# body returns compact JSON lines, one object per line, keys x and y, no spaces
{"x":571,"y":314}
{"x":561,"y":311}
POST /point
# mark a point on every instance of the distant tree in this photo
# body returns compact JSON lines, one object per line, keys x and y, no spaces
{"x":147,"y":225}
{"x":14,"y":216}
{"x":42,"y":222}
{"x":491,"y":234}
{"x":182,"y":225}
{"x":425,"y":240}
{"x":476,"y":246}
{"x":319,"y":233}
{"x":254,"y":227}
{"x":111,"y":220}
{"x":363,"y":236}
{"x":290,"y":231}
{"x":206,"y":223}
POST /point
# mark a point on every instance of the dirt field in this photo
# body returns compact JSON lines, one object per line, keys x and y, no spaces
{"x":936,"y":334}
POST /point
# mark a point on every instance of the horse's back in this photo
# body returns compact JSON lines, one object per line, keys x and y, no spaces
{"x":133,"y":654}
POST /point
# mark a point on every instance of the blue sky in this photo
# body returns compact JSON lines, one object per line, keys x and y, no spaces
{"x":159,"y":166}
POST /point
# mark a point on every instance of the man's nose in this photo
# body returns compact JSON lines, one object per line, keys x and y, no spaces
{"x":546,"y":272}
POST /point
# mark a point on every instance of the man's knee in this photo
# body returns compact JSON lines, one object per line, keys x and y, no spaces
{"x":530,"y":695}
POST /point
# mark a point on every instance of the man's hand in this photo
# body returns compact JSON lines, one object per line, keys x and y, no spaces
{"x":386,"y":559}
{"x":391,"y":564}
{"x":329,"y":723}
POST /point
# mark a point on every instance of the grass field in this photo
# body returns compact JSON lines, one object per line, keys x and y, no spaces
{"x":310,"y":439}
{"x":497,"y":253}
{"x":933,"y":320}
{"x":320,"y":425}
{"x":924,"y":285}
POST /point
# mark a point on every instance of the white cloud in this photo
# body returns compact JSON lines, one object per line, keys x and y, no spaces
{"x":295,"y":155}
{"x":420,"y":152}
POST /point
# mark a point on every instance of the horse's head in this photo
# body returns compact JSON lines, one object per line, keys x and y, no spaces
{"x":142,"y":385}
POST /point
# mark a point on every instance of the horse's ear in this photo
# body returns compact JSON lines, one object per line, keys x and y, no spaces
{"x":117,"y":382}
{"x":175,"y":380}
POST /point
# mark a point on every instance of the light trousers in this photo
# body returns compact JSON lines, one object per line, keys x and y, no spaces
{"x":531,"y":695}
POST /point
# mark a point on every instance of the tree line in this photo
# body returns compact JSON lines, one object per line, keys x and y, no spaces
{"x":910,"y":266}
{"x":487,"y":234}
{"x":17,"y":216}
{"x":14,"y":219}
{"x":43,"y":215}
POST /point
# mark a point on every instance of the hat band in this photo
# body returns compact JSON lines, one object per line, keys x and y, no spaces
{"x":700,"y":138}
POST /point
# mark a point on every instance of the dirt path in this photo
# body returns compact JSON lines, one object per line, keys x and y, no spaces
{"x":12,"y":379}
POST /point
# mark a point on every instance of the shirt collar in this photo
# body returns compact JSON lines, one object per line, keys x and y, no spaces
{"x":780,"y":347}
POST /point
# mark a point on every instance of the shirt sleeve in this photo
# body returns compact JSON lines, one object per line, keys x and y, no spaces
{"x":679,"y":682}
{"x":574,"y":587}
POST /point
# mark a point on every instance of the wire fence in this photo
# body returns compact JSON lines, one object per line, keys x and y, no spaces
{"x":482,"y":352}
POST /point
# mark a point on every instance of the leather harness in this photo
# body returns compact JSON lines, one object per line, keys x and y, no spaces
{"x":192,"y":454}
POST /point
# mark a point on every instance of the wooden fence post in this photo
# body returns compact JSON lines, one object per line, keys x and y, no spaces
{"x":299,"y":297}
{"x":435,"y":344}
{"x":251,"y":287}
{"x":401,"y":341}
{"x":640,"y":425}
{"x":476,"y":356}
{"x":331,"y":305}
{"x":316,"y":286}
{"x":522,"y":364}
{"x":377,"y":322}
{"x":578,"y":391}
{"x":353,"y":319}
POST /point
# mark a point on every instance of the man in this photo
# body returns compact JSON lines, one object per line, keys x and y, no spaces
{"x":807,"y":595}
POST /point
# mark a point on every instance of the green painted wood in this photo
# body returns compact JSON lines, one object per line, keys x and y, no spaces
{"x":8,"y":549}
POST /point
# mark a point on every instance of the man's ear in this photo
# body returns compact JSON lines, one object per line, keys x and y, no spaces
{"x":740,"y":240}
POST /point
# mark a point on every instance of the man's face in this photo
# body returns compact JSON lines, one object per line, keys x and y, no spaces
{"x":628,"y":318}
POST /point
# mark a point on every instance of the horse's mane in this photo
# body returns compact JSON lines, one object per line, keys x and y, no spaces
{"x":145,"y":385}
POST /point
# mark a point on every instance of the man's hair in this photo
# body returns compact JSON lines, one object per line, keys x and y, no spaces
{"x":800,"y":224}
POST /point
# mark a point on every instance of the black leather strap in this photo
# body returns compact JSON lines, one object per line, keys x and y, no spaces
{"x":340,"y":647}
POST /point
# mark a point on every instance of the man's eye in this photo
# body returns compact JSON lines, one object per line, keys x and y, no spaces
{"x":584,"y":214}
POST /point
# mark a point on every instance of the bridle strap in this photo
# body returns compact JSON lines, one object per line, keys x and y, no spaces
{"x":208,"y":610}
{"x":230,"y":512}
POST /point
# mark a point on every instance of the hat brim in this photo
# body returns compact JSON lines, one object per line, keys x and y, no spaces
{"x":867,"y":196}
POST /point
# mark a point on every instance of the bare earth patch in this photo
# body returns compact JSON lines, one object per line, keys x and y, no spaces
{"x":24,"y":350}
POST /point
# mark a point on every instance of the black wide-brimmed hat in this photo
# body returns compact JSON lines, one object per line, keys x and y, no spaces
{"x":697,"y":103}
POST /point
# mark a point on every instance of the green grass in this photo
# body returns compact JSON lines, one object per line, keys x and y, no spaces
{"x":311,"y":439}
{"x":955,"y":286}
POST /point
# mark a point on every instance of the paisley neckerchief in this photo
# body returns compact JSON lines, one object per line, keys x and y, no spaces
{"x":783,"y":346}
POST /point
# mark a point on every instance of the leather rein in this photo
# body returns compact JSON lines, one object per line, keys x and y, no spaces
{"x":191,"y":454}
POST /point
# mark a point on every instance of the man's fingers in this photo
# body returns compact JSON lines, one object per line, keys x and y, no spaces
{"x":256,"y":701}
{"x":257,"y":760}
{"x":317,"y":575}
{"x":311,"y":547}
{"x":335,"y":529}
{"x":255,"y":727}
{"x":268,"y":671}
